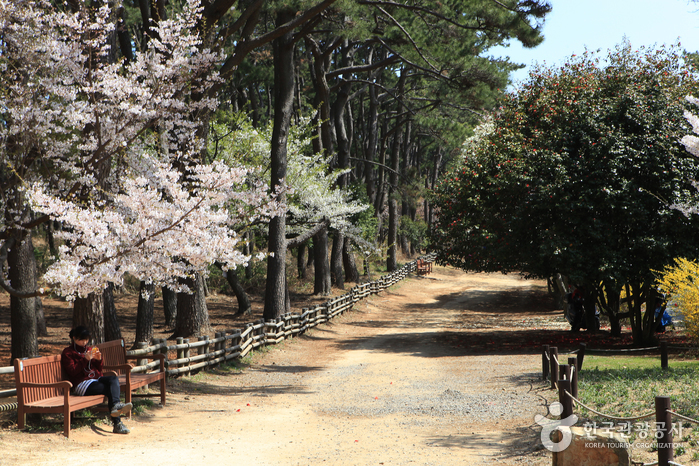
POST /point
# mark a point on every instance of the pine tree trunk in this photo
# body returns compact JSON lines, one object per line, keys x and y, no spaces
{"x":112,"y":330}
{"x":284,"y":70}
{"x":90,"y":313}
{"x":144,"y":314}
{"x":336,"y":271}
{"x":393,"y":216}
{"x":351,"y":272}
{"x":21,"y":265}
{"x":41,"y":329}
{"x":169,"y":307}
{"x":322,"y":285}
{"x":192,"y":313}
{"x":372,"y":140}
{"x":301,"y":260}
{"x":393,"y":219}
{"x":244,"y":306}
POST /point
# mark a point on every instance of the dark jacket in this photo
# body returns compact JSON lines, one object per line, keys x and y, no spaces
{"x":77,"y":368}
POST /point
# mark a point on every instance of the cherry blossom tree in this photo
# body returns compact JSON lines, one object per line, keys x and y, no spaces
{"x":111,"y":150}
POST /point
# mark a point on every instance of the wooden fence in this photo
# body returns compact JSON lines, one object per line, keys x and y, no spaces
{"x":237,"y":343}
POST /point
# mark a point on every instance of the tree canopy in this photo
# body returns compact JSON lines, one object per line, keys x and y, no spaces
{"x":576,"y":174}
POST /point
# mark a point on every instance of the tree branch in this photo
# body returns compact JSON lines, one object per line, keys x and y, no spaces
{"x":300,"y":239}
{"x":417,"y":49}
{"x":242,"y":49}
{"x":362,"y":68}
{"x":424,"y":10}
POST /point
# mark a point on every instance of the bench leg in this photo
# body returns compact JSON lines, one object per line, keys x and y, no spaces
{"x":127,"y":398}
{"x":21,"y":418}
{"x":162,"y":391}
{"x":66,"y":421}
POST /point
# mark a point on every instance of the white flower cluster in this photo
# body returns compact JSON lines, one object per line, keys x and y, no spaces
{"x":691,"y":143}
{"x":111,"y":149}
{"x":313,"y":195}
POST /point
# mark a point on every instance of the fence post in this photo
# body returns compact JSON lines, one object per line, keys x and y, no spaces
{"x":205,"y":348}
{"x":180,"y":352}
{"x":572,"y":362}
{"x":545,"y":363}
{"x":564,"y":372}
{"x":236,"y":341}
{"x":564,"y":399}
{"x":663,"y":426}
{"x":186,"y":355}
{"x":553,"y":355}
{"x":663,"y":355}
{"x":581,"y":355}
{"x":141,"y":345}
{"x":162,"y":342}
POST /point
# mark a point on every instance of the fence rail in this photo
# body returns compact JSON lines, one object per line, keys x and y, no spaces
{"x":564,"y":377}
{"x":237,"y":343}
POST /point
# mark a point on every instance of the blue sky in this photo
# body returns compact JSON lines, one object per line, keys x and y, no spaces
{"x":602,"y":24}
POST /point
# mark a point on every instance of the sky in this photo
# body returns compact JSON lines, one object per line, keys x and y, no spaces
{"x":574,"y":25}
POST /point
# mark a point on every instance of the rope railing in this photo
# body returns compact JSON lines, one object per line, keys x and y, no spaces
{"x":609,"y":416}
{"x":685,"y":418}
{"x":236,"y":343}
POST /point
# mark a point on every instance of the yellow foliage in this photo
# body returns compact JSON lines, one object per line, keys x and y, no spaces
{"x":681,"y":284}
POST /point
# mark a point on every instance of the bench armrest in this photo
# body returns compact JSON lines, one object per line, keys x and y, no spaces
{"x":120,"y":367}
{"x":62,"y":384}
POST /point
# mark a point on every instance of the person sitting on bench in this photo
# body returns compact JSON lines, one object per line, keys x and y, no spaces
{"x":83,"y":365}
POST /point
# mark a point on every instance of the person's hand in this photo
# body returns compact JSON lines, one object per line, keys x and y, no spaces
{"x":92,"y":353}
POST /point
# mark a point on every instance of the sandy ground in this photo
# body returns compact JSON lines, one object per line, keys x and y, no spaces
{"x":423,"y":374}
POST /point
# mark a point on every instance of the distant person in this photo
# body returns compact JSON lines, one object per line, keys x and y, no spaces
{"x":576,"y":310}
{"x":83,"y":365}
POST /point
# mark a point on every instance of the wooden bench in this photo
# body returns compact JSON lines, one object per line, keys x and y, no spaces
{"x":423,"y":267}
{"x":42,"y":388}
{"x":114,"y":359}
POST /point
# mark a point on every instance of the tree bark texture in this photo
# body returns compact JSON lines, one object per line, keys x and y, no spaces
{"x":41,"y":329}
{"x":393,"y":215}
{"x":192,"y":314}
{"x":144,"y":314}
{"x":337,"y":273}
{"x":322,"y":285}
{"x":169,"y":307}
{"x":244,"y":306}
{"x":112,"y":330}
{"x":89,"y":312}
{"x":301,"y":260}
{"x":22,"y":276}
{"x":351,"y":272}
{"x":275,"y":292}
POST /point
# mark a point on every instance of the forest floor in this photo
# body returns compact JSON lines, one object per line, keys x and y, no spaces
{"x":438,"y":370}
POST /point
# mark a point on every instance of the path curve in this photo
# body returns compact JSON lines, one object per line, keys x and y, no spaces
{"x":393,"y":382}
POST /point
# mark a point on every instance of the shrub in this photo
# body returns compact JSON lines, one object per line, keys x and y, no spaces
{"x":681,"y":283}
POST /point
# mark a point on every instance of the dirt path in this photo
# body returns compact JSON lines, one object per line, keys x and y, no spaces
{"x":408,"y":377}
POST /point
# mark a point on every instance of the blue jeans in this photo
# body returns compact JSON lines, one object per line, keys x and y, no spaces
{"x":109,"y":387}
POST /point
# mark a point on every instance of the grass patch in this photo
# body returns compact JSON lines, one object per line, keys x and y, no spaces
{"x":626,"y":386}
{"x":141,"y":405}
